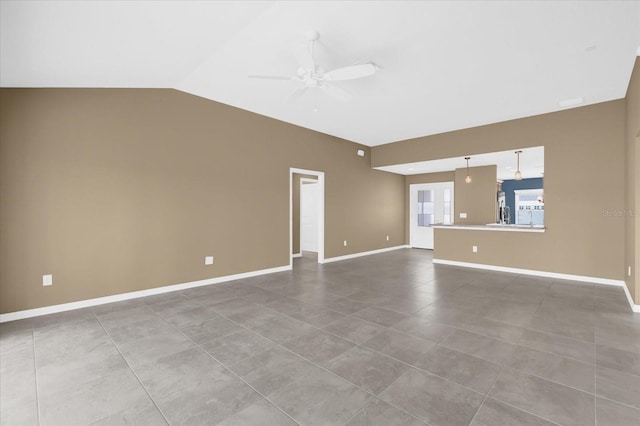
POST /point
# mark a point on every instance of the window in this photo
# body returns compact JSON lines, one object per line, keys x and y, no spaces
{"x":425,"y":208}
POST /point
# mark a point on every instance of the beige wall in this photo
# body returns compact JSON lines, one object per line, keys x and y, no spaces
{"x":118,"y":190}
{"x":295,"y":195}
{"x":477,"y":198}
{"x":584,"y":177}
{"x":632,"y":207}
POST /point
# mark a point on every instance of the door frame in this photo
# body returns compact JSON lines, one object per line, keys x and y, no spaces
{"x":320,"y":178}
{"x":412,"y":202}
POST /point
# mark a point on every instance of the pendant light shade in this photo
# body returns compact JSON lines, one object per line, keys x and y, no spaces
{"x":518,"y":174}
{"x":468,"y":178}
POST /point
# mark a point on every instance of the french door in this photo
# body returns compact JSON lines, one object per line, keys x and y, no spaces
{"x":430,"y":204}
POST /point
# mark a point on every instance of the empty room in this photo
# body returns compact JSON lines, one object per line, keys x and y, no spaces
{"x":320,"y":213}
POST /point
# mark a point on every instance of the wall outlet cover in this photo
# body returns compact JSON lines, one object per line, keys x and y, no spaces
{"x":208,"y":260}
{"x":345,"y":243}
{"x":463,"y":215}
{"x":387,"y":238}
{"x":47,"y":280}
{"x":474,"y":249}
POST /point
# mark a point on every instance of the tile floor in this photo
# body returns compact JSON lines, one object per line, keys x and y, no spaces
{"x":388,"y":339}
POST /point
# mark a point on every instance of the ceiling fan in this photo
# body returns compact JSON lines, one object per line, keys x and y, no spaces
{"x":314,"y":77}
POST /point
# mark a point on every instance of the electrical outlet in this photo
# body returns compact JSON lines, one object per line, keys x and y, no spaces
{"x":47,"y":280}
{"x":344,"y":243}
{"x":474,"y":249}
{"x":629,"y":271}
{"x":208,"y":260}
{"x":463,"y":215}
{"x":387,"y":238}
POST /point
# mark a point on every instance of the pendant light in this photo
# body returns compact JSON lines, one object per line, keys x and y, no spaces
{"x":468,"y":178}
{"x":518,"y":174}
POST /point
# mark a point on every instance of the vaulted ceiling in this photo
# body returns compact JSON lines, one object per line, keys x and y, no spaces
{"x":443,"y":65}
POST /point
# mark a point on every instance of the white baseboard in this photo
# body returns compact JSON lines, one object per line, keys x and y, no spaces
{"x":13,"y":316}
{"x":545,"y":274}
{"x":296,"y":255}
{"x":363,"y":253}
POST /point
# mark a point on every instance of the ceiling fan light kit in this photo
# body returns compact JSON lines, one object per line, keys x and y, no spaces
{"x":313,"y":76}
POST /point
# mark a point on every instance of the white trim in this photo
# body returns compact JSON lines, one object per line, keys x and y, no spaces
{"x":634,"y":307}
{"x":320,"y":176}
{"x":363,"y":253}
{"x":28,"y":313}
{"x":594,"y":280}
{"x":495,"y":227}
{"x":296,"y":255}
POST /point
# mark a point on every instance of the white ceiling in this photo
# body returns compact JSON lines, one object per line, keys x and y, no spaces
{"x":444,"y":65}
{"x":531,"y":164}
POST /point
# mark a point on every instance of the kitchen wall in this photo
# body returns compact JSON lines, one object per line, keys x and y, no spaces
{"x":118,"y":190}
{"x":584,"y":178}
{"x":477,"y":198}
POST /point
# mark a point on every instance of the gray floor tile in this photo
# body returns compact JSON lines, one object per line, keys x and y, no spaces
{"x":18,"y":400}
{"x":238,"y":346}
{"x":492,"y":328}
{"x":259,"y":413}
{"x":134,"y":331}
{"x":344,"y":305}
{"x":318,"y":346}
{"x":433,"y":399}
{"x":304,"y":312}
{"x":466,"y":370}
{"x":493,"y":413}
{"x":561,"y":345}
{"x":321,"y":399}
{"x":273,"y":369}
{"x":618,"y":334}
{"x":367,"y":369}
{"x":380,"y":316}
{"x":211,"y":329}
{"x":483,"y":347}
{"x":93,"y":400}
{"x":575,"y":374}
{"x":144,"y":414}
{"x":379,"y":413}
{"x":15,"y":336}
{"x":609,"y":413}
{"x":353,"y":329}
{"x":546,"y":399}
{"x":140,"y":352}
{"x":57,"y":374}
{"x":425,"y":329}
{"x":617,"y":385}
{"x":400,"y":346}
{"x":182,"y":344}
{"x":574,"y":329}
{"x":208,"y":402}
{"x":171,"y":373}
{"x":617,"y":359}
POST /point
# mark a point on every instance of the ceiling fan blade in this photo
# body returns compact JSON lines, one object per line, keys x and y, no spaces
{"x":336,"y":92}
{"x":272,"y":77}
{"x":296,"y":95}
{"x":351,"y":72}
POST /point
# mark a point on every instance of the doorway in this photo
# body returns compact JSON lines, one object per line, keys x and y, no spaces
{"x":429,"y":204}
{"x":309,"y":215}
{"x":311,"y":212}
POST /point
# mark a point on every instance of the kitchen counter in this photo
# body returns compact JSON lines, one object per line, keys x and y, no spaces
{"x":495,"y":227}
